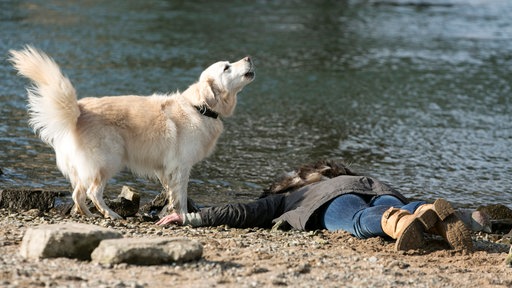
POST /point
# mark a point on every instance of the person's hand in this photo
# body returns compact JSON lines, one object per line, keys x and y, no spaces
{"x":173,"y":218}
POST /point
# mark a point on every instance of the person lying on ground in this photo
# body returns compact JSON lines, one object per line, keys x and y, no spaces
{"x":328,"y":195}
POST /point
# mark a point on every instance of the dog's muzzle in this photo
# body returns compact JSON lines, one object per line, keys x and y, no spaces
{"x":250,"y":74}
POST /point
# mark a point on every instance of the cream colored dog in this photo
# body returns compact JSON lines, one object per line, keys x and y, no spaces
{"x":160,"y":136}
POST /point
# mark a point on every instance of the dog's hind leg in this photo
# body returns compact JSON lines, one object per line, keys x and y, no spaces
{"x":95,"y":193}
{"x":79,"y":198}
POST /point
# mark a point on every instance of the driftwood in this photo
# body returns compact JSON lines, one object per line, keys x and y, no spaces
{"x":27,"y":199}
{"x":127,"y":204}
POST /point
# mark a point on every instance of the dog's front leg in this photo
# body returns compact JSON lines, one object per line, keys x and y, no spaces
{"x":177,"y":191}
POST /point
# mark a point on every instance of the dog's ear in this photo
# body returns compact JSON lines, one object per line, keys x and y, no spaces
{"x":209,"y":92}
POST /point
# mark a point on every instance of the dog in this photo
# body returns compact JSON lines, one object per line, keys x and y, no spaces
{"x":159,"y":136}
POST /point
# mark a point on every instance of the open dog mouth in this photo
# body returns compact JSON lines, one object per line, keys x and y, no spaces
{"x":250,"y":74}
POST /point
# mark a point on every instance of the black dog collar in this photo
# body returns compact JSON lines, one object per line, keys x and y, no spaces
{"x":203,"y":109}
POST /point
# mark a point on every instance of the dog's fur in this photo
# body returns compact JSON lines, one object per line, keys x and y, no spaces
{"x":160,"y":136}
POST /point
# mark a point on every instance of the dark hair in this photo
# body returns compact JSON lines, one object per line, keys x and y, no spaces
{"x":307,"y":174}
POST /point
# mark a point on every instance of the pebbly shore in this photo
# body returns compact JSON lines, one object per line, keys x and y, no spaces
{"x":255,"y":258}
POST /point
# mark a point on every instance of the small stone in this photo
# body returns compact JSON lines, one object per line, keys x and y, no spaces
{"x":33,"y":213}
{"x":303,"y":268}
{"x":278,"y":280}
{"x":373,"y":259}
{"x":399,"y":264}
{"x":256,"y":270}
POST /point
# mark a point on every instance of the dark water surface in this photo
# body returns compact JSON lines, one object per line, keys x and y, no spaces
{"x":414,"y":93}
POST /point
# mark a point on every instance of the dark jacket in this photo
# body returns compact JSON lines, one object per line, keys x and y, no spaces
{"x":299,"y":208}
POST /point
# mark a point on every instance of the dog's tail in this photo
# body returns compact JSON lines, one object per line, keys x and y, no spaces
{"x":53,"y":106}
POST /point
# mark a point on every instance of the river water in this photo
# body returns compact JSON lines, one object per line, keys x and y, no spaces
{"x":415,"y":93}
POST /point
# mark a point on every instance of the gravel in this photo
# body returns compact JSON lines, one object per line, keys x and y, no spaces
{"x":258,"y":258}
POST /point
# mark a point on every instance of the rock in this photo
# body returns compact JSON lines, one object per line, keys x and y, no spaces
{"x":27,"y":199}
{"x":33,"y":213}
{"x":142,"y":251}
{"x":497,"y":211}
{"x":71,"y":240}
{"x":127,"y":203}
{"x":501,"y":217}
{"x":501,"y":225}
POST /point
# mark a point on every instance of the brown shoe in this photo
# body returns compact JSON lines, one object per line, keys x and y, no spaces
{"x":448,"y":225}
{"x":405,"y":227}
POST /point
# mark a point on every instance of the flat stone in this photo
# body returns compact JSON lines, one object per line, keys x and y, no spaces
{"x":141,"y":251}
{"x":70,"y":240}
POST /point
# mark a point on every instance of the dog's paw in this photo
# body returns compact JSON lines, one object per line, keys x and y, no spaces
{"x":113,"y":215}
{"x":77,"y":211}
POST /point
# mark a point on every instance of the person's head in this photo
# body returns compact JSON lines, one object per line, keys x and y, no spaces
{"x":307,"y":174}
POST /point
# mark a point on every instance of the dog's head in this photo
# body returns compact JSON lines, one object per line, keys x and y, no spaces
{"x":220,"y":83}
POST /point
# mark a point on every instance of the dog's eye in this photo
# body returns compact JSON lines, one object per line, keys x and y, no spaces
{"x":226,"y":68}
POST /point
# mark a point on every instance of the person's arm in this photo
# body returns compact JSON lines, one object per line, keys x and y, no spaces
{"x":259,"y":213}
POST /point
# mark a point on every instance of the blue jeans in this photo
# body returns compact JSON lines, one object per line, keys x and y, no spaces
{"x":352,"y":213}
